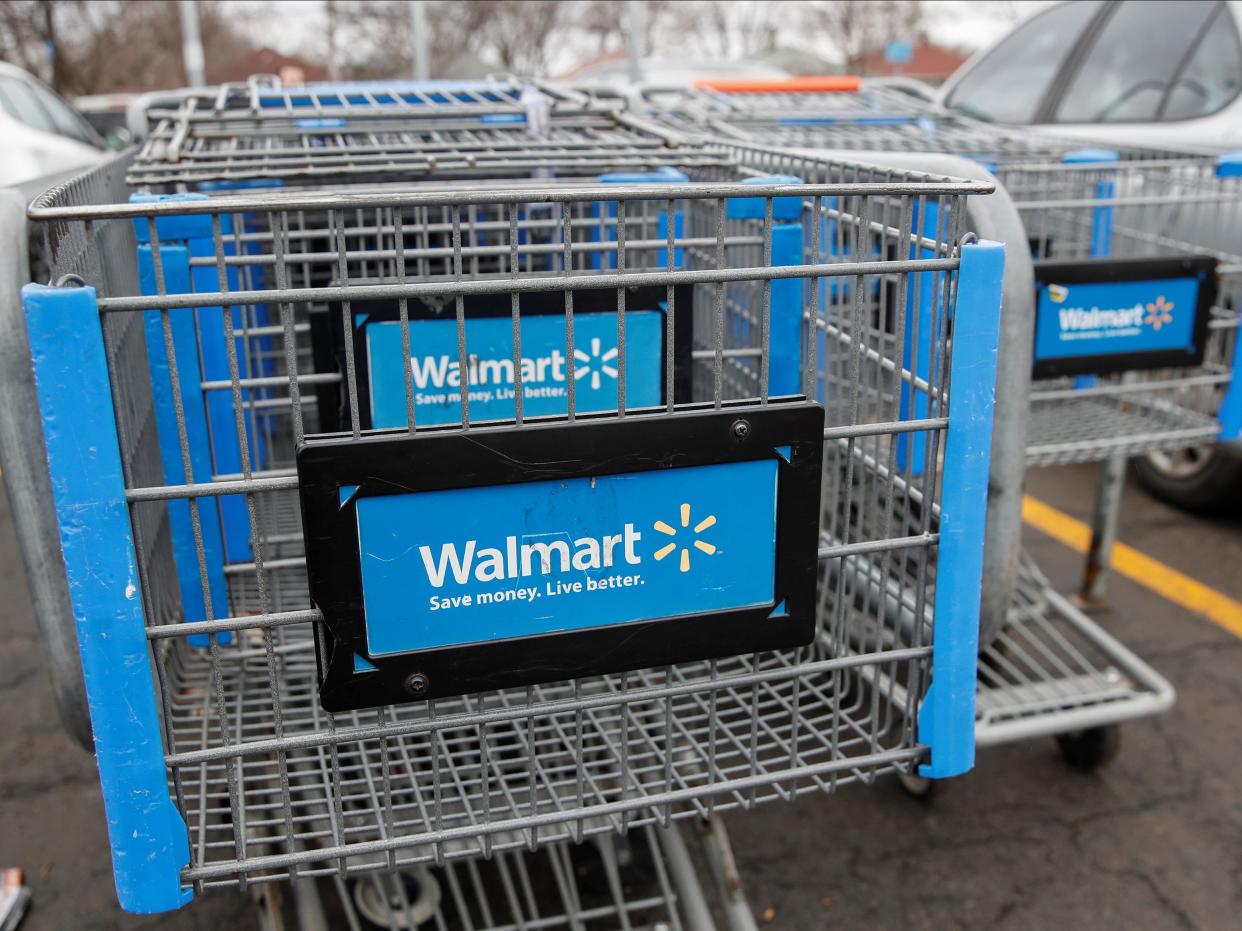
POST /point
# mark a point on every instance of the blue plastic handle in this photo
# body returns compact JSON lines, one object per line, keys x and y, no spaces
{"x":947,"y":716}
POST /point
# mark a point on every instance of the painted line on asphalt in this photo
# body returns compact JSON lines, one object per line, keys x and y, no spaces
{"x":1138,"y":567}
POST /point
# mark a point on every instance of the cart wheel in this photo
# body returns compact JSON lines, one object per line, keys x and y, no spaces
{"x":917,"y":786}
{"x":381,"y":903}
{"x":1088,"y":750}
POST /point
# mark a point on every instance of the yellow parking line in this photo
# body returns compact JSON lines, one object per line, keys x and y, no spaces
{"x":1152,"y":574}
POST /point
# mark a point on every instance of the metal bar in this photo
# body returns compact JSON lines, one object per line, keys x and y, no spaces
{"x":450,"y":834}
{"x":201,"y":490}
{"x":1104,"y":518}
{"x":453,"y":287}
{"x":250,"y":622}
{"x":692,"y":904}
{"x":547,"y":709}
{"x":583,"y":194}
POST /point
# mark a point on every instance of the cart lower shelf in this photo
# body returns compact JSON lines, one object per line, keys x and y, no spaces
{"x":1064,"y":430}
{"x":271,"y":786}
{"x":1053,"y":670}
{"x":643,"y":880}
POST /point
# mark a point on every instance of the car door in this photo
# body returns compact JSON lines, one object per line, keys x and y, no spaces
{"x":43,"y":137}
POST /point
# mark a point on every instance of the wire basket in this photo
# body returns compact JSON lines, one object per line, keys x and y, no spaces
{"x":255,"y":133}
{"x":179,"y":510}
{"x":1130,"y":219}
{"x":1127,"y":215}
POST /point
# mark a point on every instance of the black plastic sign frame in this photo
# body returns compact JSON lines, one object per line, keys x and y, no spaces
{"x":1122,"y":271}
{"x":328,"y":342}
{"x":789,"y":433}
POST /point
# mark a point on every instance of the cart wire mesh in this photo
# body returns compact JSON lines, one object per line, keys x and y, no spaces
{"x":609,"y":882}
{"x":253,"y":133}
{"x":1045,"y":667}
{"x":269,"y":784}
{"x":1078,"y":202}
{"x":872,"y":118}
{"x":1053,"y":670}
{"x":1135,"y":209}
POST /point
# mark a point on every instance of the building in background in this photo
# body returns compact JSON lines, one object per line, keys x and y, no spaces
{"x":291,"y":69}
{"x":928,"y":62}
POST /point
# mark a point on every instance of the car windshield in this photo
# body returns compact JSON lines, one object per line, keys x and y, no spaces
{"x":1009,"y":83}
{"x":1128,"y":69}
{"x":1212,"y":77}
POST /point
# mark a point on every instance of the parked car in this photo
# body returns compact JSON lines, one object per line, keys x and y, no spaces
{"x":904,"y":84}
{"x":1203,"y":479}
{"x":1142,"y":72}
{"x":1145,"y":72}
{"x":44,"y":138}
{"x":107,"y":115}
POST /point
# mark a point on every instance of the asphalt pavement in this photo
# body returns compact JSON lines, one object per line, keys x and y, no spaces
{"x":1022,"y":842}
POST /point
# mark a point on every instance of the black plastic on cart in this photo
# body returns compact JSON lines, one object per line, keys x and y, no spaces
{"x":789,"y":433}
{"x":328,"y":341}
{"x":1122,"y":271}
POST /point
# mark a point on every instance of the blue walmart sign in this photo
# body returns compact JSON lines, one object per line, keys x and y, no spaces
{"x":464,"y":566}
{"x":491,"y":369}
{"x":1114,"y":318}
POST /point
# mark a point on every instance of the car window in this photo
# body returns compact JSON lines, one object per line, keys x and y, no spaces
{"x":1213,"y":75}
{"x":64,"y":119}
{"x":1009,"y":83}
{"x":1128,"y":69}
{"x":18,"y":100}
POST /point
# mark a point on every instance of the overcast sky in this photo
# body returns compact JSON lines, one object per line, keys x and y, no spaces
{"x":965,"y":24}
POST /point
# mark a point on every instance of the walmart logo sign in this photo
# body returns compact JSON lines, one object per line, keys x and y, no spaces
{"x":1123,"y":321}
{"x":491,"y":374}
{"x":1103,"y":318}
{"x":471,"y":565}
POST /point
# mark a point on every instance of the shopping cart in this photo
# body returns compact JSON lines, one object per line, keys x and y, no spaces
{"x":1169,"y":219}
{"x":219,"y":761}
{"x":643,"y":880}
{"x":1130,"y":230}
{"x":262,"y":131}
{"x":1098,"y":206}
{"x":1102,"y":219}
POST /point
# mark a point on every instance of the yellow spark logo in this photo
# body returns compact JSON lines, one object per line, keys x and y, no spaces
{"x":700,"y":545}
{"x":1158,"y":313}
{"x":595,"y":363}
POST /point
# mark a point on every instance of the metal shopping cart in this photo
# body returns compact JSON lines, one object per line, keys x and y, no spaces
{"x":220,"y":762}
{"x":261,"y":130}
{"x":1152,"y":237}
{"x":1097,"y":222}
{"x":1097,"y":206}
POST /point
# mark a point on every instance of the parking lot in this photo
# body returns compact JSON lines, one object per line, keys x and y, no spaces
{"x":1020,"y":842}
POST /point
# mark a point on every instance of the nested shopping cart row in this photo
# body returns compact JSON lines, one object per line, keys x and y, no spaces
{"x":254,"y":132}
{"x":1095,"y":216}
{"x":1131,"y":321}
{"x":214,"y":365}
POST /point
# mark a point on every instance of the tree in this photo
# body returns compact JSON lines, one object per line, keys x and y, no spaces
{"x":857,"y":27}
{"x":605,"y":23}
{"x":507,"y":34}
{"x":719,"y":29}
{"x":95,"y":47}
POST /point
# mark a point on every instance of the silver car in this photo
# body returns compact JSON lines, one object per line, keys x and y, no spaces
{"x":1145,"y":72}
